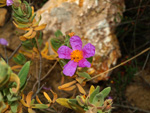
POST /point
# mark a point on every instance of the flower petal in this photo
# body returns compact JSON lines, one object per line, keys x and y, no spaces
{"x":70,"y":68}
{"x":64,"y":52}
{"x":76,"y":43}
{"x":88,"y":50}
{"x":84,"y":63}
{"x":9,"y":2}
{"x":3,"y":42}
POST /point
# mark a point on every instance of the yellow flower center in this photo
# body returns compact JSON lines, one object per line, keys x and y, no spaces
{"x":76,"y":55}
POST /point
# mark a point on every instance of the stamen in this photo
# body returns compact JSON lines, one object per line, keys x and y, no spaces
{"x":76,"y":55}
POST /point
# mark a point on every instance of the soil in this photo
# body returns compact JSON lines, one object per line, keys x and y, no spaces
{"x":138,"y":93}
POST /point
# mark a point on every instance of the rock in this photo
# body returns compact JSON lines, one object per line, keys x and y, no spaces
{"x":93,"y":20}
{"x":3,"y":13}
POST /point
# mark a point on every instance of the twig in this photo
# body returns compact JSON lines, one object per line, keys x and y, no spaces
{"x":140,"y":73}
{"x":120,"y":64}
{"x":29,"y":78}
{"x":40,"y":71}
{"x":137,"y":7}
{"x":134,"y":30}
{"x":6,"y":54}
{"x":45,"y":75}
{"x":15,"y":51}
{"x":2,"y":57}
{"x":130,"y":107}
{"x":49,"y":71}
{"x":36,"y":65}
{"x":146,"y":61}
{"x":138,"y":48}
{"x":48,"y":110}
{"x":39,"y":89}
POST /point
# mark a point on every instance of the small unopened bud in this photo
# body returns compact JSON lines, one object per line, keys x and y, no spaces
{"x":3,"y":42}
{"x":9,"y":2}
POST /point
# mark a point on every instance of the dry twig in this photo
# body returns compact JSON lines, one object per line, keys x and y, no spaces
{"x":49,"y":71}
{"x":148,"y":49}
{"x":16,"y":50}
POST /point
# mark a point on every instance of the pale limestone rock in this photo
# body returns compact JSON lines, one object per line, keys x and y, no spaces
{"x":95,"y":22}
{"x":3,"y":13}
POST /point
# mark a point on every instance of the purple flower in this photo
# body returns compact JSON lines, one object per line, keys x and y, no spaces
{"x":9,"y":2}
{"x":78,"y":55}
{"x":46,"y":88}
{"x":110,"y":97}
{"x":3,"y":42}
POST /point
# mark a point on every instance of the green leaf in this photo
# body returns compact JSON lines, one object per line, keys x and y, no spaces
{"x":33,"y":17}
{"x":23,"y":87}
{"x":40,"y":40}
{"x":98,"y":100}
{"x":41,"y":106}
{"x":63,"y":102}
{"x":84,"y":74}
{"x":1,"y":97}
{"x":14,"y":107}
{"x":67,"y":41}
{"x":100,"y":111}
{"x":5,"y":72}
{"x":81,"y":100}
{"x":5,"y":92}
{"x":62,"y":62}
{"x":84,"y":69}
{"x":27,"y":44}
{"x":55,"y":43}
{"x":106,"y":91}
{"x":90,"y":59}
{"x":15,"y":98}
{"x":11,"y":98}
{"x":23,"y":74}
{"x":2,"y":106}
{"x":67,"y":36}
{"x":74,"y":101}
{"x":20,"y":59}
{"x":58,"y":33}
{"x":96,"y":91}
{"x":75,"y":106}
{"x":32,"y":101}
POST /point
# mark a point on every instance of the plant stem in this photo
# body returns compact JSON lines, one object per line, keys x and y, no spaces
{"x":146,"y":61}
{"x":6,"y":54}
{"x":38,"y":90}
{"x":49,"y":71}
{"x":2,"y":57}
{"x":15,"y":51}
{"x":40,"y":71}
